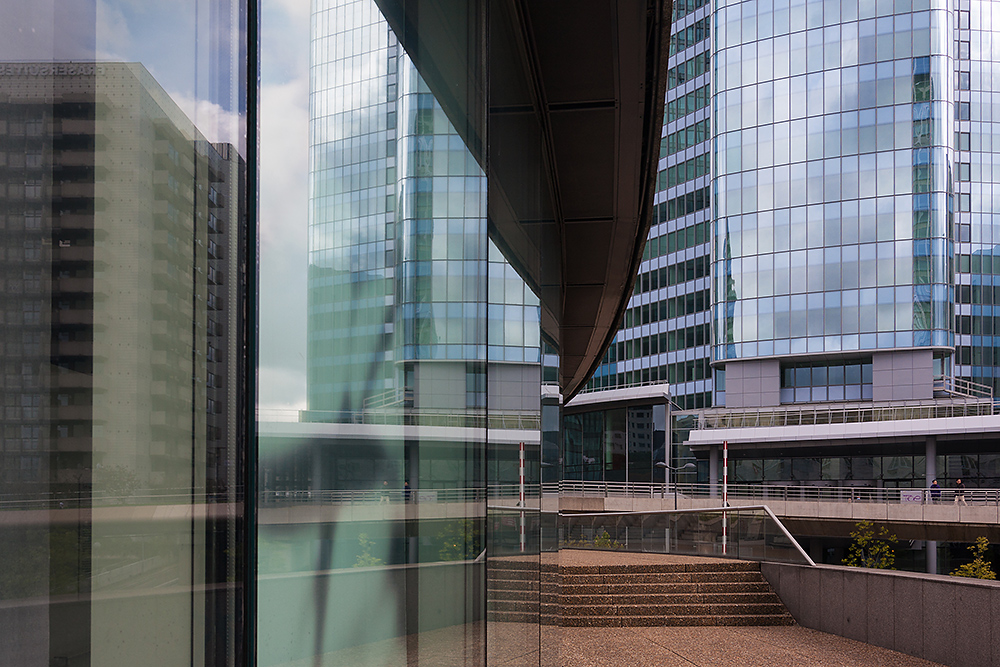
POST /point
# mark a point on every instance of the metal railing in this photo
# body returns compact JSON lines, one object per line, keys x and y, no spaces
{"x":624,"y":385}
{"x":814,"y":414}
{"x":962,"y":387}
{"x":784,"y":493}
{"x":411,"y":417}
{"x":745,"y":533}
{"x":755,"y":493}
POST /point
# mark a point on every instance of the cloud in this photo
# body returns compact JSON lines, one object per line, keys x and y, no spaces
{"x":214,"y":122}
{"x":114,"y":38}
{"x":284,"y":195}
{"x":282,"y":394}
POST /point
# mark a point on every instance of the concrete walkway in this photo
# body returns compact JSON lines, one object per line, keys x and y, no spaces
{"x":521,"y":645}
{"x":792,"y":646}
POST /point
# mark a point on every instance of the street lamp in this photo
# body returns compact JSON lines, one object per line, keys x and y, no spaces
{"x":666,"y":475}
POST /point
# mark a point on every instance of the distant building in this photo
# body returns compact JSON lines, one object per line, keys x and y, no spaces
{"x":825,"y":239}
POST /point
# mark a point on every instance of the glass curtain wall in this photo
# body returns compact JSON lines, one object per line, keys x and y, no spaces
{"x":123,"y":330}
{"x":400,"y":364}
{"x":834,"y":177}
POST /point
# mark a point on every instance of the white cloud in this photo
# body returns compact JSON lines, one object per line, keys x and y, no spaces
{"x":281,"y":394}
{"x":114,"y":39}
{"x":214,"y":122}
{"x":284,"y":173}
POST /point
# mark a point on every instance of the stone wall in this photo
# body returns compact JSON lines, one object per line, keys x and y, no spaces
{"x":950,"y":620}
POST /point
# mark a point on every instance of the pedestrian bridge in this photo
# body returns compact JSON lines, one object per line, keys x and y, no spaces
{"x":814,"y":510}
{"x":806,"y":510}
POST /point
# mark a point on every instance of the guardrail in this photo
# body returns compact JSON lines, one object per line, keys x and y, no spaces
{"x":401,"y":416}
{"x":370,"y":496}
{"x":744,"y":533}
{"x":764,"y":493}
{"x":832,"y":414}
{"x":757,"y":493}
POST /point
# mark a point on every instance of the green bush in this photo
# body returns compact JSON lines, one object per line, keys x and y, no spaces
{"x":979,"y":568}
{"x":365,"y":558}
{"x":871,"y":549}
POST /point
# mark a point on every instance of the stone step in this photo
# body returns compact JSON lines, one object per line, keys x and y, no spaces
{"x":513,"y":595}
{"x":511,"y":575}
{"x":671,"y":610}
{"x":639,"y":589}
{"x":512,"y":585}
{"x":670,"y":598}
{"x":655,"y":568}
{"x":675,"y":621}
{"x":661,"y":578}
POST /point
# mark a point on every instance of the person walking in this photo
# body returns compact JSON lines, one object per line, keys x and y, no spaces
{"x":935,"y":491}
{"x":960,"y":492}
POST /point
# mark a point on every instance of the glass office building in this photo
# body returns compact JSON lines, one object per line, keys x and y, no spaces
{"x":124,"y":334}
{"x":362,"y":221}
{"x":824,"y":233}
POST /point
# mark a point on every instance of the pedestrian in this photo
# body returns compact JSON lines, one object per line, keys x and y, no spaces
{"x":935,"y":491}
{"x":406,"y":491}
{"x":960,"y":492}
{"x":385,"y":493}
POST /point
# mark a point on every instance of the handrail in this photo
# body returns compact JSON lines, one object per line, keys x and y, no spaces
{"x":566,"y":488}
{"x":622,"y":537}
{"x":777,"y":492}
{"x":834,"y":413}
{"x":962,"y":387}
{"x":702,"y":510}
{"x":401,"y":416}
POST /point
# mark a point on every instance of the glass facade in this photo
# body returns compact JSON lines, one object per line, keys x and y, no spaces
{"x":666,"y":335}
{"x":977,"y":236}
{"x":823,"y":215}
{"x":421,"y":382}
{"x":834,"y":178}
{"x":849,"y":197}
{"x":123,"y":334}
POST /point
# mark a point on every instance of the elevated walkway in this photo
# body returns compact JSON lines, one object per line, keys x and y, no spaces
{"x":813,"y":510}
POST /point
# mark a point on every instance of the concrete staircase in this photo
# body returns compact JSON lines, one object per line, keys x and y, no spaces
{"x":684,"y":594}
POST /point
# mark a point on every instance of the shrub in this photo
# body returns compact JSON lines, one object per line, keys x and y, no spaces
{"x":871,"y":549}
{"x":979,"y":568}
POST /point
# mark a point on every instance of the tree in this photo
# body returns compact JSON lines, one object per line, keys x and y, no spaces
{"x":979,"y":568}
{"x":365,"y":558}
{"x":871,"y":549}
{"x":460,"y":540}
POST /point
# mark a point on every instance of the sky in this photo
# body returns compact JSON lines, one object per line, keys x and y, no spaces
{"x":284,"y":142}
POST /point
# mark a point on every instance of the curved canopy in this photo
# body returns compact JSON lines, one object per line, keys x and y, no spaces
{"x":567,"y":131}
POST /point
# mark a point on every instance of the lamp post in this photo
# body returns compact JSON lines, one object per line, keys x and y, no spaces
{"x":666,"y":475}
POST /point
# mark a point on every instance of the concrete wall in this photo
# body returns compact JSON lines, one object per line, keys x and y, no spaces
{"x":903,"y":375}
{"x":439,"y":385}
{"x":753,"y":384}
{"x":950,"y":620}
{"x":514,"y":387}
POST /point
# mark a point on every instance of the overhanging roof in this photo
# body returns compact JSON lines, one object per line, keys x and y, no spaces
{"x":567,"y":128}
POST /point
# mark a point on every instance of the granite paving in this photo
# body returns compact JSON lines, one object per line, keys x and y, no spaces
{"x":525,"y":645}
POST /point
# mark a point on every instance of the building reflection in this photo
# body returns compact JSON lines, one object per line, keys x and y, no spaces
{"x":123,"y":337}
